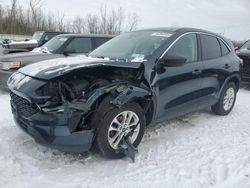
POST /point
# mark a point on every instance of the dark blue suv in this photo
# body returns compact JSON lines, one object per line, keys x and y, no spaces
{"x":136,"y":79}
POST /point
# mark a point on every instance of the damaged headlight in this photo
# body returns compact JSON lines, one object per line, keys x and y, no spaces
{"x":50,"y":94}
{"x":10,"y":65}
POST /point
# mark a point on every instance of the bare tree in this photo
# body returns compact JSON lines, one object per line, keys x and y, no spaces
{"x":14,"y":19}
{"x":133,"y":21}
{"x":12,"y":16}
{"x":60,"y":22}
{"x":78,"y":25}
{"x":36,"y":10}
{"x":92,"y":24}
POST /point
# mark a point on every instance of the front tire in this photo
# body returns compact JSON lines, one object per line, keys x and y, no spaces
{"x":226,"y":101}
{"x":113,"y":123}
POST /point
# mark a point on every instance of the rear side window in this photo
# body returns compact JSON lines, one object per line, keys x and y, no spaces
{"x":210,"y":47}
{"x":100,"y":41}
{"x":79,"y":45}
{"x":224,"y":49}
{"x":185,"y":47}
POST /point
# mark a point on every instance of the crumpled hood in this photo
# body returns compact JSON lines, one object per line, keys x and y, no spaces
{"x":49,"y":69}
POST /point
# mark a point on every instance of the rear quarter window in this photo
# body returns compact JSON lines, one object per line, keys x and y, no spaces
{"x":210,"y":47}
{"x":224,"y":48}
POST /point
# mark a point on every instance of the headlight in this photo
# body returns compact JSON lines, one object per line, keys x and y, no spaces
{"x":10,"y":65}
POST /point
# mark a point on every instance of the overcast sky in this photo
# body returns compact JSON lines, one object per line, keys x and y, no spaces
{"x":228,"y":17}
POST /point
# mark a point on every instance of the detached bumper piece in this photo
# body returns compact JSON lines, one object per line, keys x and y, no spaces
{"x":51,"y":129}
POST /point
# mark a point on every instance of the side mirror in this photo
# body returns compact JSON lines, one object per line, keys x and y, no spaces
{"x":169,"y":61}
{"x":173,"y":61}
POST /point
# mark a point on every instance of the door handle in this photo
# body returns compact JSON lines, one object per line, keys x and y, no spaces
{"x":196,"y":72}
{"x":227,"y":66}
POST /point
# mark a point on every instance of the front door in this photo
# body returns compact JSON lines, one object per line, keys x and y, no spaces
{"x":177,"y":87}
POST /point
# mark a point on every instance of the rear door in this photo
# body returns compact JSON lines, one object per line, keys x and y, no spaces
{"x":216,"y":67}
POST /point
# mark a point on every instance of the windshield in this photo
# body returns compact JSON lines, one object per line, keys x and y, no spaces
{"x":246,"y":45}
{"x":37,"y":36}
{"x":134,"y":46}
{"x":54,"y":44}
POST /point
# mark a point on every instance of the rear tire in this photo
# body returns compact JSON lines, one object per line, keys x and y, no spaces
{"x":226,"y":101}
{"x":107,"y":127}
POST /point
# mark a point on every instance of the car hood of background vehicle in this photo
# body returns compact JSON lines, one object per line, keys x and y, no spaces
{"x":49,"y":69}
{"x":20,"y":45}
{"x":243,"y":52}
{"x":28,"y":57}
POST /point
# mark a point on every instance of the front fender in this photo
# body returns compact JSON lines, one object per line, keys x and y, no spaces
{"x":130,"y":93}
{"x":126,"y":93}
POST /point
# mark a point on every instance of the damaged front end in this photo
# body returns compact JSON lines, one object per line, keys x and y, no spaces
{"x":57,"y":112}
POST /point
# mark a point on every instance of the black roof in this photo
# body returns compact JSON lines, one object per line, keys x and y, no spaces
{"x":178,"y":29}
{"x":185,"y":30}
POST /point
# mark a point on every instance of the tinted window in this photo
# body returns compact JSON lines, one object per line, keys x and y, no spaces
{"x":224,"y":49}
{"x":55,"y":44}
{"x":79,"y":45}
{"x":185,"y":47}
{"x":49,"y":36}
{"x":100,"y":41}
{"x":210,"y":47}
{"x":37,"y":36}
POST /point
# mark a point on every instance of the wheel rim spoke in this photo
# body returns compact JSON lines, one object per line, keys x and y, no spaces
{"x":129,"y":118}
{"x":118,"y":140}
{"x":112,"y":128}
{"x":229,"y":99}
{"x":114,"y":137}
{"x":121,"y":126}
{"x":117,"y":122}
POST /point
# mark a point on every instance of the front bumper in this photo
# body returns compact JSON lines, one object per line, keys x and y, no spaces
{"x":4,"y":76}
{"x":52,"y":130}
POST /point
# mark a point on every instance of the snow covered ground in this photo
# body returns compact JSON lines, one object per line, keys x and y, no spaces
{"x":194,"y":151}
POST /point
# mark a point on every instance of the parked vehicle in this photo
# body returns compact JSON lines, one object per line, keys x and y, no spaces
{"x":60,"y":46}
{"x":38,"y":39}
{"x":244,"y":53}
{"x":139,"y":78}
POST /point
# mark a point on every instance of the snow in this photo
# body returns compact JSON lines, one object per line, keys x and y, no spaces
{"x":197,"y":150}
{"x":24,"y":42}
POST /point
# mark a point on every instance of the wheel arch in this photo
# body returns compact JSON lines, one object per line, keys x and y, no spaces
{"x":235,"y":77}
{"x":147,"y":105}
{"x":236,"y":80}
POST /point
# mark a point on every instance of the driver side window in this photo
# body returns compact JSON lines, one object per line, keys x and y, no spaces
{"x":185,"y":47}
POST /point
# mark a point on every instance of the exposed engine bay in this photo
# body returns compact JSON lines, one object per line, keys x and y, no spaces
{"x":80,"y":84}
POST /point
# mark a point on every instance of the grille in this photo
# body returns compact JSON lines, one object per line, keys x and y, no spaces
{"x":23,"y":106}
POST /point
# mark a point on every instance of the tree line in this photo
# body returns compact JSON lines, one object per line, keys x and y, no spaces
{"x":16,"y":19}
